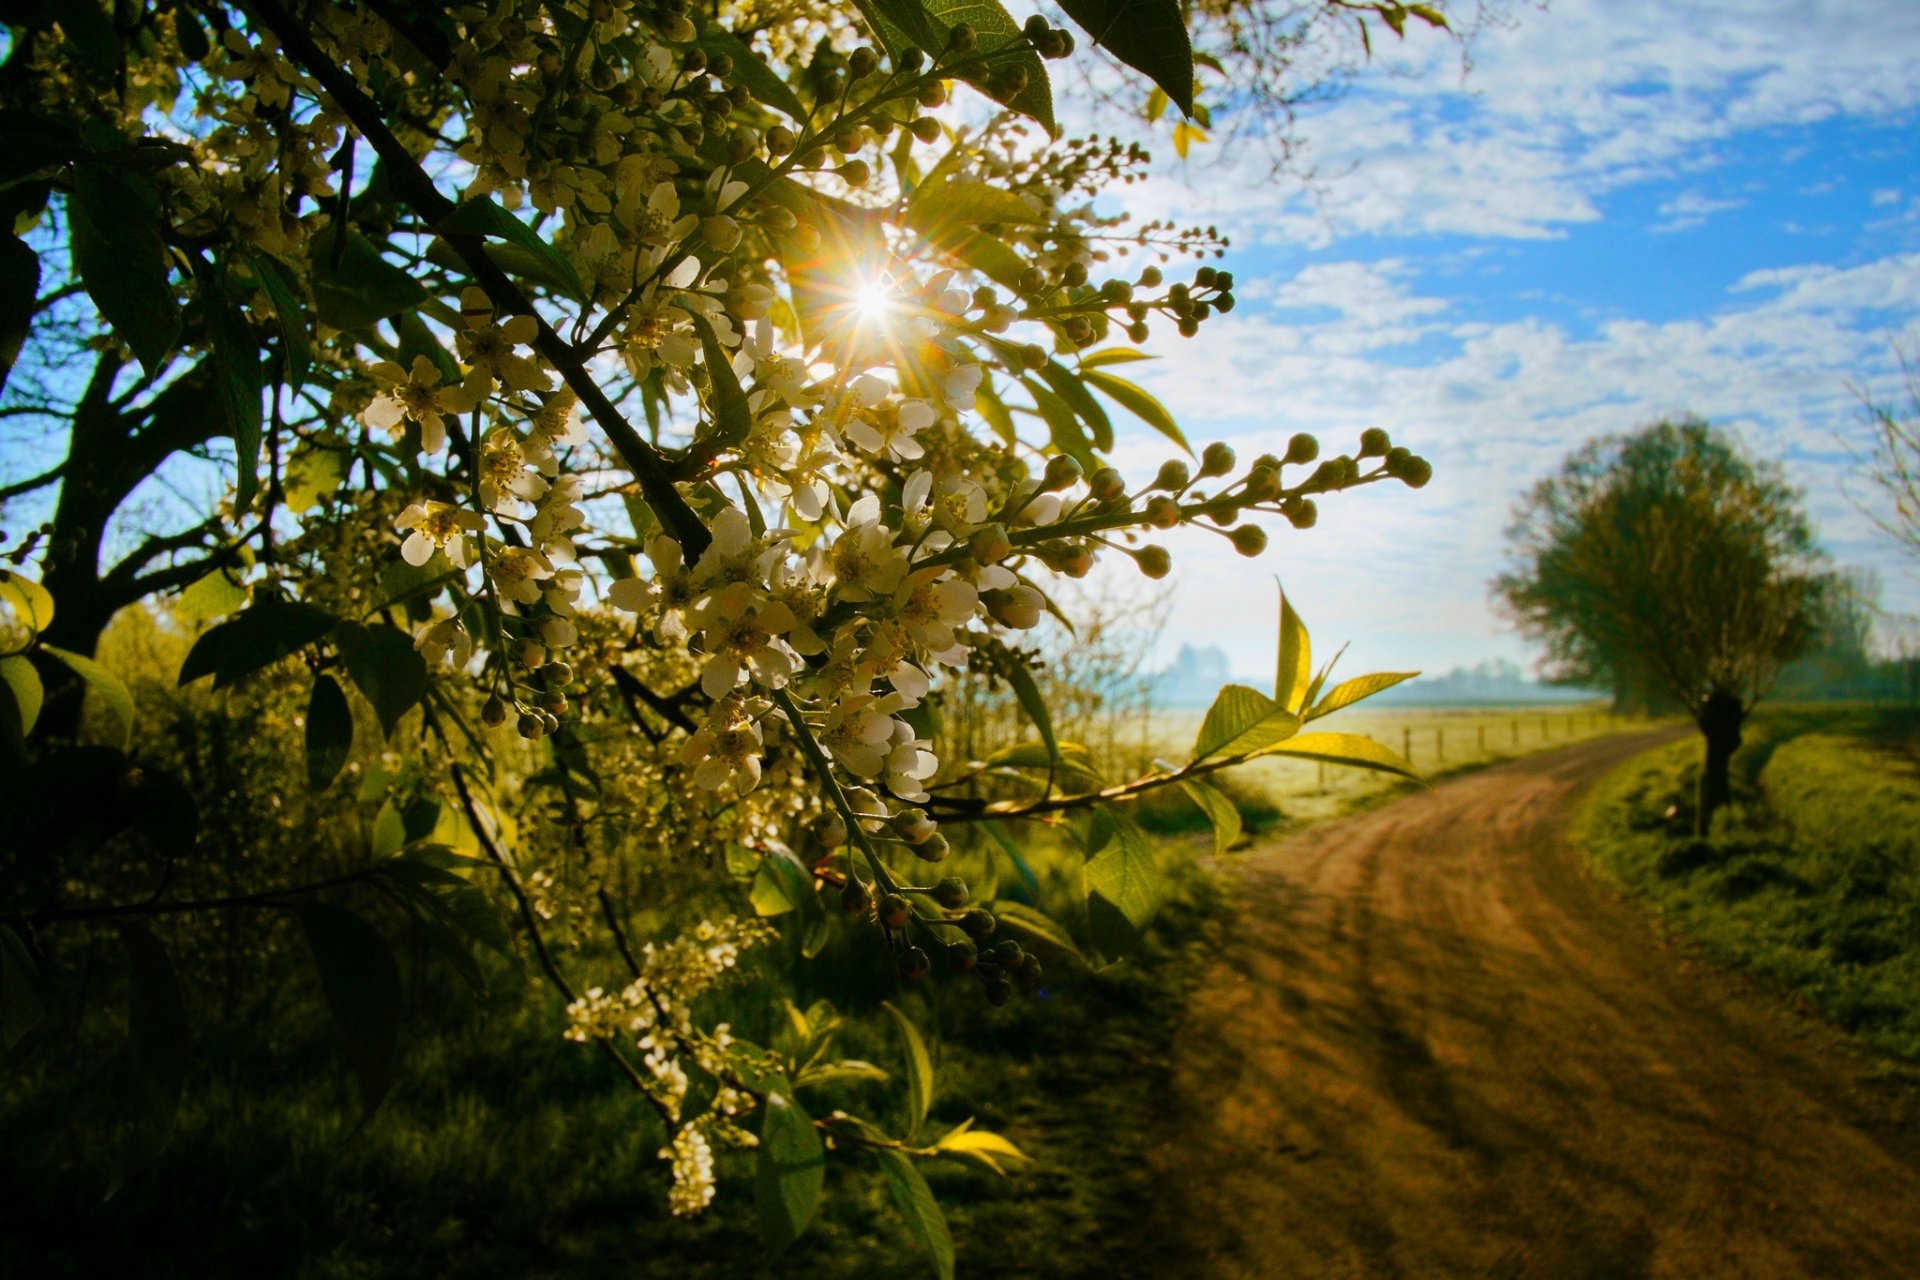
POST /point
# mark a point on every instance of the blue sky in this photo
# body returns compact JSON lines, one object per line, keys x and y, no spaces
{"x":1628,"y":208}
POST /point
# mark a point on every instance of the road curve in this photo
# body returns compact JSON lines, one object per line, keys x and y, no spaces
{"x":1432,"y":1045}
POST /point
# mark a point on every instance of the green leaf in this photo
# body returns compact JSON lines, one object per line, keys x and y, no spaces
{"x":944,"y":207}
{"x":919,"y":1069}
{"x":383,"y":662}
{"x":1070,"y":388}
{"x":111,"y":691}
{"x":313,"y":475}
{"x":18,"y":674}
{"x":19,"y":290}
{"x":480,"y":216}
{"x":914,"y":1199}
{"x":845,"y":1071}
{"x":156,"y":1028}
{"x":1294,"y":668}
{"x":21,"y":1003}
{"x":991,"y":256}
{"x":1242,"y":720}
{"x":1034,"y":705}
{"x":789,"y":1173}
{"x":1148,"y":35}
{"x":1113,"y":355}
{"x":1000,"y":837}
{"x":1348,"y":692}
{"x":1123,"y":888}
{"x":31,"y":603}
{"x":289,"y":312}
{"x":751,"y":70}
{"x":1137,"y":401}
{"x":989,"y":1149}
{"x":1220,"y":812}
{"x":899,"y":23}
{"x":363,"y":288}
{"x":782,"y":884}
{"x":732,"y":414}
{"x":987,"y":402}
{"x":1063,"y":425}
{"x":215,"y":595}
{"x":259,"y":637}
{"x":1348,"y":749}
{"x":362,"y":988}
{"x":123,"y":261}
{"x":1035,"y":926}
{"x":329,"y":732}
{"x":237,"y":374}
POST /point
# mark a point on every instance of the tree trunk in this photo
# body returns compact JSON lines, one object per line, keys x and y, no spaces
{"x":1720,"y":717}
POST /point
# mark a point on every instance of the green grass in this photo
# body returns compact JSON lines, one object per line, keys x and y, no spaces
{"x":1811,"y":878}
{"x":505,"y":1151}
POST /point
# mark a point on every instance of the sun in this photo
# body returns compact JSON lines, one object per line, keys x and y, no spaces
{"x":874,"y":300}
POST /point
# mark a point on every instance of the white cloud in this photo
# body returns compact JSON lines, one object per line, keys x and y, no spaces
{"x":1562,"y":109}
{"x":1886,"y":196}
{"x":1691,"y":209}
{"x":1405,"y":573}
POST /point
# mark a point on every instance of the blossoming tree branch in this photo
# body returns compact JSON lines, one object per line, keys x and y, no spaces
{"x":680,"y":397}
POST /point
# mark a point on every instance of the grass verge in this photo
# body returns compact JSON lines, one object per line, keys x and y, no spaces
{"x":1811,"y":878}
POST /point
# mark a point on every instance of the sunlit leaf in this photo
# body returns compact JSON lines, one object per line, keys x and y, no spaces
{"x":1242,"y":720}
{"x":989,"y":1149}
{"x":1124,"y":886}
{"x":1348,"y":749}
{"x":122,"y":258}
{"x":1294,"y":667}
{"x":23,"y":682}
{"x":1220,"y":812}
{"x":1137,"y":401}
{"x":481,"y":216}
{"x":1348,"y":692}
{"x":1034,"y":926}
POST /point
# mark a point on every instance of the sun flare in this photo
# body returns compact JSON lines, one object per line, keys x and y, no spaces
{"x":874,"y":300}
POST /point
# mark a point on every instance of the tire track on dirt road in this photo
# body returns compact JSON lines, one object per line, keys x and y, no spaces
{"x":1431,"y":1045}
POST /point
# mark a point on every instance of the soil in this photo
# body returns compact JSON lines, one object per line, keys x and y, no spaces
{"x":1432,"y":1044}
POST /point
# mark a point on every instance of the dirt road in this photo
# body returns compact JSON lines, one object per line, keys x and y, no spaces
{"x":1433,"y":1046}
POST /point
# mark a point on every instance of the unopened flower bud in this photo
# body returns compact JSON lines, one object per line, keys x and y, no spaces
{"x":989,"y":544}
{"x":530,"y":725}
{"x":862,"y":62}
{"x":1305,"y":515}
{"x":998,"y":990}
{"x":854,"y":897}
{"x":962,"y":955}
{"x":1172,"y":476}
{"x":1062,"y":472}
{"x":1249,"y":539}
{"x":780,"y":140}
{"x":1415,"y":472}
{"x":894,"y":911}
{"x":914,"y":826}
{"x":1075,"y":274}
{"x":932,"y":94}
{"x":1162,"y":512}
{"x":1374,"y":443}
{"x":1150,"y":278}
{"x":962,"y":38}
{"x":1302,"y":448}
{"x":910,"y":61}
{"x":830,"y":829}
{"x":855,"y":173}
{"x":926,"y":129}
{"x":494,"y":713}
{"x":1216,"y":459}
{"x":1154,"y":561}
{"x":914,"y":964}
{"x":978,"y":923}
{"x":1107,"y":485}
{"x":951,"y":893}
{"x":933,"y":849}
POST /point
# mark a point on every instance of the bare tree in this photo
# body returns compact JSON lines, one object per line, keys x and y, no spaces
{"x":1892,"y":466}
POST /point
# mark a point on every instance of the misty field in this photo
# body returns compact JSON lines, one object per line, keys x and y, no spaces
{"x":1438,"y":740}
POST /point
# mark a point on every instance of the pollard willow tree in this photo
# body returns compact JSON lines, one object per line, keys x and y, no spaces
{"x":672,"y":399}
{"x":1669,"y":559}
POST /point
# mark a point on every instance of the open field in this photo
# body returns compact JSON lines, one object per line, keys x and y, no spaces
{"x":1438,"y":741}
